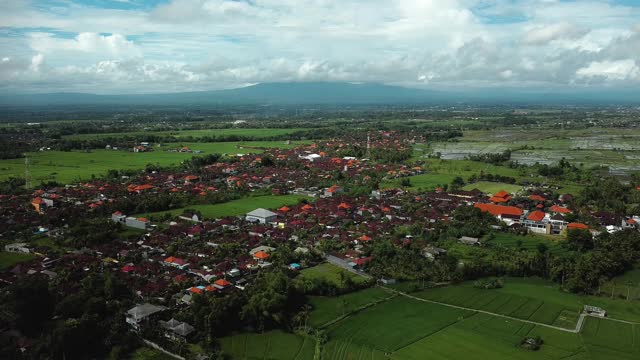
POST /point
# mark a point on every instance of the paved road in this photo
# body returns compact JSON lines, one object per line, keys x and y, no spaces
{"x":576,"y":330}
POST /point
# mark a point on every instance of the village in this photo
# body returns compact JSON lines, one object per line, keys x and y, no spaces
{"x":339,"y":214}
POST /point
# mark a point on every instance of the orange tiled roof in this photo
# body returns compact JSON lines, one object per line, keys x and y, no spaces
{"x":499,"y":209}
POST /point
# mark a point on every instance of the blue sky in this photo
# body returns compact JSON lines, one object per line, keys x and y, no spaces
{"x":143,"y":46}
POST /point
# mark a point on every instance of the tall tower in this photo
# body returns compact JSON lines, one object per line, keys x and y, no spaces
{"x":27,"y":172}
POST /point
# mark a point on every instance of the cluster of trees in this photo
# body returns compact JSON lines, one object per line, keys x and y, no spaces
{"x":68,"y":318}
{"x":491,"y":177}
{"x":492,"y":158}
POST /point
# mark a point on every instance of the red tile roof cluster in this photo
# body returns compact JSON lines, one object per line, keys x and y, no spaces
{"x":499,"y":209}
{"x":575,"y":225}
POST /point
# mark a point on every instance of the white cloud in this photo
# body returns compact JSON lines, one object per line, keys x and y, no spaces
{"x":611,"y":70}
{"x":544,"y":34}
{"x":205,"y":44}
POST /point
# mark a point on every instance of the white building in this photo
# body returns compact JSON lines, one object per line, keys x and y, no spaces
{"x":262,"y":216}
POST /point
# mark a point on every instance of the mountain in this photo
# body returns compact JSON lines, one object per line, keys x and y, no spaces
{"x":323,"y":93}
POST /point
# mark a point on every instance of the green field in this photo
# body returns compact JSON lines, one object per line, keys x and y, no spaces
{"x":233,"y":208}
{"x":394,"y":324}
{"x":67,"y":167}
{"x":403,"y":328}
{"x":530,"y":299}
{"x":9,"y":259}
{"x":258,"y":133}
{"x":330,"y":273}
{"x":326,"y":309}
{"x":626,"y":286}
{"x":487,"y":337}
{"x":270,"y":345}
{"x":493,"y":187}
{"x":605,"y":339}
{"x":529,"y":241}
{"x":440,"y":172}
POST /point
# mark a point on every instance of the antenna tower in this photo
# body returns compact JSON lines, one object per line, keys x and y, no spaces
{"x":368,"y":145}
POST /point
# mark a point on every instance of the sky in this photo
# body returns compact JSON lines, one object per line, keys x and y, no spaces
{"x":153,"y":46}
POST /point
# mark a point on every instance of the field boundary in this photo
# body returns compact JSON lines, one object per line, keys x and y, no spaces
{"x":361,"y":308}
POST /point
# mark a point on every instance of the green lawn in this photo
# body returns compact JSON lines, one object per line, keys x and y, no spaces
{"x":233,"y":208}
{"x":276,"y":345}
{"x":67,"y":167}
{"x":258,"y":133}
{"x":493,"y":187}
{"x":326,"y":309}
{"x":9,"y":259}
{"x":423,"y":181}
{"x":329,"y":272}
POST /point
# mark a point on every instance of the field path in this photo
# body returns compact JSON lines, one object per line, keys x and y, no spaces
{"x":574,"y":331}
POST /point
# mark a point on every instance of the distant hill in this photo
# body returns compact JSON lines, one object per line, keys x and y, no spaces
{"x":323,"y":93}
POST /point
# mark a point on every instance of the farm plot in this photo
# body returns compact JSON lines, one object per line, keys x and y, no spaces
{"x":178,"y":134}
{"x":70,"y":166}
{"x":394,"y":324}
{"x":326,"y":309}
{"x":494,"y":301}
{"x":330,"y":273}
{"x":276,"y":345}
{"x":607,"y":339}
{"x":484,"y":336}
{"x":232,"y":208}
{"x":344,"y":350}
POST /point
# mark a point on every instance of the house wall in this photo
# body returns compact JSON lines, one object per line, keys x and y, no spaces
{"x":135,"y":223}
{"x":260,"y":219}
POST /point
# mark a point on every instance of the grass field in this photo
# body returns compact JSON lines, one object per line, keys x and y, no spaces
{"x":330,"y":273}
{"x":259,"y":133}
{"x":233,"y":208}
{"x":67,"y":167}
{"x":270,"y":345}
{"x":493,"y":187}
{"x":529,"y":242}
{"x":441,"y":172}
{"x":531,"y":299}
{"x":9,"y":259}
{"x":487,"y":337}
{"x":326,"y":309}
{"x":394,"y":324}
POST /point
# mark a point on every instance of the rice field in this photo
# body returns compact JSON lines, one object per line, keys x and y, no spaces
{"x":270,"y":345}
{"x":394,"y":324}
{"x":258,"y":133}
{"x":72,"y":166}
{"x":326,"y":308}
{"x":403,"y":328}
{"x":616,"y":148}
